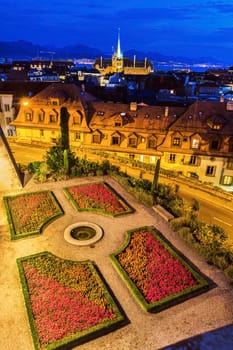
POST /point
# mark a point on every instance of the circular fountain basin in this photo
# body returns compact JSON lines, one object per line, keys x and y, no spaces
{"x":83,"y":233}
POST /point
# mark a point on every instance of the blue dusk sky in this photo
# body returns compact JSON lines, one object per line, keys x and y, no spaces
{"x":188,"y":28}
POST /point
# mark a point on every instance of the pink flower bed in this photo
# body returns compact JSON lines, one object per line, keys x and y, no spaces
{"x":66,"y":298}
{"x":97,"y":196}
{"x":154,"y":270}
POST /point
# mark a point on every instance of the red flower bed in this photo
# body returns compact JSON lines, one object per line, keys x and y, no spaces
{"x":153,"y":268}
{"x":66,"y":298}
{"x":97,"y":196}
{"x":28,"y":212}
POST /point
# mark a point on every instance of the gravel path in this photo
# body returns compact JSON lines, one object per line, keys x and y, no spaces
{"x":203,"y":313}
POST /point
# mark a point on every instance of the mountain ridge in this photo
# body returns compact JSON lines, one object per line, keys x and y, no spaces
{"x":23,"y":49}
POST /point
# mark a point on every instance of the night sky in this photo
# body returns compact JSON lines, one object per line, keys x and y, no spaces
{"x":189,"y":28}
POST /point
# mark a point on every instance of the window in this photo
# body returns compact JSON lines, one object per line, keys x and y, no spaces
{"x":7,"y":108}
{"x":76,"y":120}
{"x":117,"y":123}
{"x":141,"y":158}
{"x":152,"y":159}
{"x":10,"y":132}
{"x":172,"y":158}
{"x":230,"y":164}
{"x":115,"y":140}
{"x":210,"y":170}
{"x":193,"y":160}
{"x":131,"y":156}
{"x":96,"y":138}
{"x":52,"y":118}
{"x":227,"y":180}
{"x":41,"y":132}
{"x":77,"y":136}
{"x":41,"y":117}
{"x":231,"y":145}
{"x":132,"y":142}
{"x":28,"y":117}
{"x":8,"y":120}
{"x":195,"y":144}
{"x":176,"y":141}
{"x":214,"y":144}
{"x":152,"y":143}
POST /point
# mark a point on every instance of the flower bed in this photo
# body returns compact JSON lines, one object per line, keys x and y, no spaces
{"x":156,"y":275}
{"x":99,"y":197}
{"x":67,"y":301}
{"x":27,"y":213}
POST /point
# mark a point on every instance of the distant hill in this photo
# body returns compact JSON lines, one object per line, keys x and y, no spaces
{"x":26,"y":50}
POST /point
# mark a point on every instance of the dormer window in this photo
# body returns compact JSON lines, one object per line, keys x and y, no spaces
{"x":214,"y":144}
{"x":176,"y":141}
{"x":117,"y":123}
{"x":28,"y":116}
{"x":54,"y":101}
{"x":195,"y":144}
{"x":132,"y":141}
{"x":41,"y":116}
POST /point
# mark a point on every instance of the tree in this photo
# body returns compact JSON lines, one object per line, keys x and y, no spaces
{"x":64,"y":125}
{"x":154,"y":185}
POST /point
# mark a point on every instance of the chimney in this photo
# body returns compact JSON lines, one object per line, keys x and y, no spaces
{"x":166,"y":111}
{"x":133,"y":106}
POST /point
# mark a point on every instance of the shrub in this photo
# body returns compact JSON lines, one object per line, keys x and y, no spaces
{"x":229,"y":273}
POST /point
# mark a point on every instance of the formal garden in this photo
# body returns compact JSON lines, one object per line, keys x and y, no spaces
{"x":68,"y":302}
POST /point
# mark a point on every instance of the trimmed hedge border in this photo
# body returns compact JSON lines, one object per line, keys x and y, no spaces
{"x":125,"y":205}
{"x":83,"y":336}
{"x":171,"y":300}
{"x":14,"y":236}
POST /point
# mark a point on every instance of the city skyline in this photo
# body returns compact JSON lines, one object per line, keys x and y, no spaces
{"x":196,"y":29}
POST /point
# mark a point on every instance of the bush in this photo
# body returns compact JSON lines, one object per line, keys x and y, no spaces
{"x":229,"y":273}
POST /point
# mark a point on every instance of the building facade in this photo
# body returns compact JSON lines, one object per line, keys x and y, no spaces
{"x":7,"y":114}
{"x":194,"y":141}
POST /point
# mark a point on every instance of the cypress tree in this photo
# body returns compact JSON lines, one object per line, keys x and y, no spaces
{"x":64,"y":125}
{"x":154,"y":185}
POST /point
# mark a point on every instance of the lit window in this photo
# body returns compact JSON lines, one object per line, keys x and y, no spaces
{"x":176,"y":141}
{"x":210,"y":170}
{"x":141,"y":158}
{"x":227,"y":180}
{"x":152,"y":159}
{"x":195,"y":143}
{"x":28,"y":117}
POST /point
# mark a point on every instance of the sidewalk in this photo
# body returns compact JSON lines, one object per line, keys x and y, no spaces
{"x":209,"y":311}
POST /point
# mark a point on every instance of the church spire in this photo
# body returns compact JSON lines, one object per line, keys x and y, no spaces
{"x":119,"y":53}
